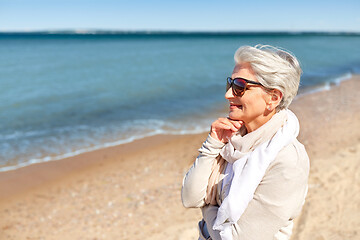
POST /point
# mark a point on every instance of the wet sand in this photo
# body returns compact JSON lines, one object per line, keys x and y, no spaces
{"x":132,"y":191}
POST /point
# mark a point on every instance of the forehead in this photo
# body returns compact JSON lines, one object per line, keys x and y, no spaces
{"x":243,"y":70}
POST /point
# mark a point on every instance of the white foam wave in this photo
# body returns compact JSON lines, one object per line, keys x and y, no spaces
{"x":326,"y":86}
{"x":39,"y":133}
{"x":161,"y":127}
{"x":342,"y":78}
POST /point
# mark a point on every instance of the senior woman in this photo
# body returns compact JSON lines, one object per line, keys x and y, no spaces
{"x":250,"y":178}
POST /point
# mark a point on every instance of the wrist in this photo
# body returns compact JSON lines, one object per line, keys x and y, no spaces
{"x":215,"y":141}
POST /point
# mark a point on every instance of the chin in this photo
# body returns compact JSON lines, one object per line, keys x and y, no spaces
{"x":235,"y":116}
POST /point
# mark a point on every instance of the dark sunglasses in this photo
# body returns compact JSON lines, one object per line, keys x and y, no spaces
{"x":239,"y":85}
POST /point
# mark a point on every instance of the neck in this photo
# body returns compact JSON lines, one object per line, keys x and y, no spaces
{"x":256,"y":123}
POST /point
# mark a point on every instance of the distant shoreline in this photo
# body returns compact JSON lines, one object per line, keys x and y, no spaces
{"x":89,"y":32}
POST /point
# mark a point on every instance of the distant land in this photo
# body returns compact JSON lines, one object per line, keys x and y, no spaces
{"x":175,"y":33}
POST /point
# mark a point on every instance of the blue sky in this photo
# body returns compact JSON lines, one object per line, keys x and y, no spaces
{"x":180,"y":15}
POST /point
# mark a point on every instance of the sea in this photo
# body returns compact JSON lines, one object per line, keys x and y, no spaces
{"x":65,"y":93}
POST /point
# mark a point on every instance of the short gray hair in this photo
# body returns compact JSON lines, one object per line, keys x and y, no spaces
{"x":274,"y":68}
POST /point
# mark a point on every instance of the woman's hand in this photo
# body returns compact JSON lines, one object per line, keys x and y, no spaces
{"x":223,"y":129}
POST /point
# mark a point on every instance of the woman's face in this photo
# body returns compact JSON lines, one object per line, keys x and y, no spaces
{"x":251,"y":106}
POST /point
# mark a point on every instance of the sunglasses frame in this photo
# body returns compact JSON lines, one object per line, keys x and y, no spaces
{"x":230,"y":83}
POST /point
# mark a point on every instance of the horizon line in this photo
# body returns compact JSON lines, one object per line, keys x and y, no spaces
{"x":190,"y":32}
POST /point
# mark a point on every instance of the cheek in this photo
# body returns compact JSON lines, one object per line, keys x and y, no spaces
{"x":263,"y":99}
{"x":256,"y":103}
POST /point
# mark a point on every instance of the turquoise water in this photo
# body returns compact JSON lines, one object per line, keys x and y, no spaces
{"x":65,"y":94}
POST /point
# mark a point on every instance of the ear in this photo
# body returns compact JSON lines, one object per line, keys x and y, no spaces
{"x":275,"y":97}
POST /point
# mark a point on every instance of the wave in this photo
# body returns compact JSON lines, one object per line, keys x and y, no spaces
{"x":162,"y":127}
{"x":38,"y":133}
{"x":325,"y":86}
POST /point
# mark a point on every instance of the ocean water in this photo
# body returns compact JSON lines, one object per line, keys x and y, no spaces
{"x":63,"y":94}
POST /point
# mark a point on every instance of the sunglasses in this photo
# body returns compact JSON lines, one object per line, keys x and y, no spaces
{"x":239,"y":85}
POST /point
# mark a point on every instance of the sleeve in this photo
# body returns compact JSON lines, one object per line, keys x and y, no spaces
{"x":278,"y":199}
{"x":196,"y":180}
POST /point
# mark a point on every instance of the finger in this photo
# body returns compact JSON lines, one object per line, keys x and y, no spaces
{"x":221,"y":125}
{"x":221,"y":121}
{"x":235,"y":125}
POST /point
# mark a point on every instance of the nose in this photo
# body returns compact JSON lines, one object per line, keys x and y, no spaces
{"x":229,"y":94}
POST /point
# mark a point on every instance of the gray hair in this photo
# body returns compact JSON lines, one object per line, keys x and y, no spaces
{"x":274,"y":68}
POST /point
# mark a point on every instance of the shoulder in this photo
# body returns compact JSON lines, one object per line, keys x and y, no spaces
{"x":294,"y":159}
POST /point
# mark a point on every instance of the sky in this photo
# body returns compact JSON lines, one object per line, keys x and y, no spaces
{"x":180,"y":15}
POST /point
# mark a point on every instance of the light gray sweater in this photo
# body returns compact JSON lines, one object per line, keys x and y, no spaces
{"x":277,"y":200}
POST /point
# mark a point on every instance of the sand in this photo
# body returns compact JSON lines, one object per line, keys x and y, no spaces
{"x":132,"y":191}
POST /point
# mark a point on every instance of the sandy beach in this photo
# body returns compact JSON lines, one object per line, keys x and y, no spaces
{"x":132,"y":191}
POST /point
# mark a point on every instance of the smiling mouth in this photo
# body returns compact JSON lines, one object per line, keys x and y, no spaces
{"x":235,"y":106}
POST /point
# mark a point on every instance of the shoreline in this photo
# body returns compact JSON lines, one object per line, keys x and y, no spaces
{"x":95,"y":148}
{"x":21,"y":179}
{"x":111,"y":193}
{"x":327,"y":86}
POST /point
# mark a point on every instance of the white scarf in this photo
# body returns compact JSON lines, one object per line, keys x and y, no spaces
{"x":245,"y":172}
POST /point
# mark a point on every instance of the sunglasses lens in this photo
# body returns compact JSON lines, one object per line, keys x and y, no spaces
{"x":239,"y":87}
{"x":228,"y":83}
